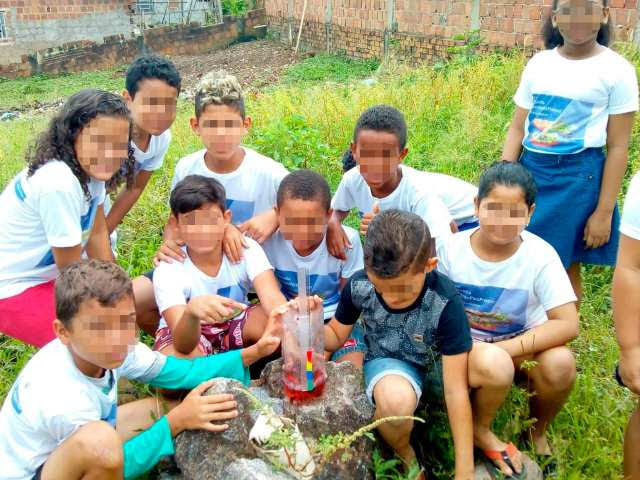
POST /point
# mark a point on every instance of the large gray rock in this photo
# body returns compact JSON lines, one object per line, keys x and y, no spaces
{"x":533,"y":470}
{"x":254,"y":469}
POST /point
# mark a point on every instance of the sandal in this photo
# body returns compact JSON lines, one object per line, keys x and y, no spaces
{"x":490,"y":456}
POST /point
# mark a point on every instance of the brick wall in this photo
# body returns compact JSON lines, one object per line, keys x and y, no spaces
{"x":118,"y":49}
{"x":423,"y":29}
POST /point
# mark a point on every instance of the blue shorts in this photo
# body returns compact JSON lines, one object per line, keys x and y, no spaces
{"x":355,"y":343}
{"x":431,"y":381}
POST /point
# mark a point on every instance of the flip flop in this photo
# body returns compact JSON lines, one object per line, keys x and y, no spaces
{"x":491,"y":456}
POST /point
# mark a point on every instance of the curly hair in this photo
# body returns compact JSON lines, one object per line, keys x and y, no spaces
{"x":219,"y":88}
{"x":57,"y":141}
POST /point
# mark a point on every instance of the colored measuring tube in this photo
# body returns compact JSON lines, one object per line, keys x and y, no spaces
{"x":304,"y":320}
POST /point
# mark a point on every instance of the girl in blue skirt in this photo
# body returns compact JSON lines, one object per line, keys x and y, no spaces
{"x":575,"y":98}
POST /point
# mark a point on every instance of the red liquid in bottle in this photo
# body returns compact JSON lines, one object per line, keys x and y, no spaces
{"x":298,"y":393}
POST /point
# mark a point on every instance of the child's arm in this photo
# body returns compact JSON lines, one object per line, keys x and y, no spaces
{"x":626,"y":310}
{"x":99,"y":246}
{"x":598,"y":229}
{"x":233,"y":243}
{"x":335,"y":334}
{"x":340,"y":326}
{"x":561,"y":328}
{"x":261,"y":226}
{"x":456,"y":394}
{"x":337,"y":239}
{"x":126,"y":200}
{"x":171,"y":247}
{"x":513,"y":143}
{"x":268,"y":291}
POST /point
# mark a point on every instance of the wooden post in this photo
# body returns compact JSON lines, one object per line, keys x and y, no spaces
{"x":304,"y":11}
{"x":475,"y":15}
{"x":390,"y":27}
{"x":290,"y":20}
{"x":328,"y":14}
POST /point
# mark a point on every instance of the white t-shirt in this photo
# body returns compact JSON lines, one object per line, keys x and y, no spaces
{"x":46,"y":210}
{"x":504,"y":299}
{"x":411,"y":195}
{"x":456,"y":194}
{"x":51,"y":399}
{"x":630,"y":222}
{"x":176,"y":283}
{"x":569,"y":101}
{"x":251,"y":189}
{"x":325,"y":270}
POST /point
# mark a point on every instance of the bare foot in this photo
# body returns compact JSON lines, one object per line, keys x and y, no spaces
{"x":540,"y":443}
{"x":485,"y":439}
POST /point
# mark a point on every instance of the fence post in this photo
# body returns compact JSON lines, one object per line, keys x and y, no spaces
{"x":390,"y":27}
{"x":475,"y":14}
{"x":290,"y":20}
{"x":328,"y":14}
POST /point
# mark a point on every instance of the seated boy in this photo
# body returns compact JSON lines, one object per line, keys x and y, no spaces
{"x":203,"y":299}
{"x":303,"y":206}
{"x":456,"y":194}
{"x":626,"y":313}
{"x":415,"y":329}
{"x":61,"y":418}
{"x":250,"y":180}
{"x":520,"y":306}
{"x":381,"y":181}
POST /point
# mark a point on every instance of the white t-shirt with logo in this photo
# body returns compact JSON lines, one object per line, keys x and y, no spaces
{"x":178,"y":282}
{"x":325,"y":270}
{"x":630,"y":221}
{"x":251,"y":189}
{"x":411,"y":195}
{"x":504,"y":299}
{"x":51,"y":399}
{"x":456,"y":194}
{"x":569,"y":101}
{"x":48,"y":209}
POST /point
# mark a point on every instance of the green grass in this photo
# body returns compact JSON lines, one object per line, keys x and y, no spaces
{"x":458,"y":115}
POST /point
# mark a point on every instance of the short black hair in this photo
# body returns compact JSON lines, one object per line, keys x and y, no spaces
{"x":348,"y":162}
{"x":304,"y":185}
{"x":151,"y":66}
{"x":193,"y":191}
{"x":509,"y":174}
{"x":396,"y":240}
{"x":552,"y":37}
{"x":85,"y":280}
{"x":383,"y":118}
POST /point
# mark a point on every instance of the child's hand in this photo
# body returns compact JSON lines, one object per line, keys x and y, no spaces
{"x":197,"y":411}
{"x":214,"y":308}
{"x":314,"y":302}
{"x":260,"y":227}
{"x":337,"y":240}
{"x":367,"y":217}
{"x":598,"y":229}
{"x":170,"y":250}
{"x":270,"y":340}
{"x":233,"y":243}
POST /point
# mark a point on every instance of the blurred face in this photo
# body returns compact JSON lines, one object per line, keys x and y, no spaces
{"x":503,"y":214}
{"x":102,"y":146}
{"x":153,"y":108}
{"x":221,"y":129}
{"x":100,"y":336}
{"x":202,"y":229}
{"x":403,"y":290}
{"x":378,"y":154}
{"x":579,"y":20}
{"x":304,"y":223}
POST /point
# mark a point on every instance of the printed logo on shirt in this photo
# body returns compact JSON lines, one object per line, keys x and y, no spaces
{"x":241,"y":210}
{"x":557,"y":124}
{"x":494,"y":311}
{"x":235,"y":292}
{"x":326,"y":286}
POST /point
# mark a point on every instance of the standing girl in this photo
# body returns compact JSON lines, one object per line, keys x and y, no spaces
{"x":52,"y":211}
{"x":574,"y":98}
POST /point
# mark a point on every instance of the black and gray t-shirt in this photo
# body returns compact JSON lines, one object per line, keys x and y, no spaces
{"x":434,"y":324}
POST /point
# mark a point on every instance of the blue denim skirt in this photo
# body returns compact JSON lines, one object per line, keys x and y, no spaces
{"x":568,"y":192}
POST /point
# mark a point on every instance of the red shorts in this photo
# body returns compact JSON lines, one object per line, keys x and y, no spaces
{"x":214,"y":338}
{"x":29,"y":315}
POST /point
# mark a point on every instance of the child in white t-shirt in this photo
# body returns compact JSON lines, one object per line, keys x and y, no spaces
{"x":203,"y":299}
{"x":625,"y":294}
{"x":250,"y":180}
{"x":61,"y":418}
{"x":520,"y":307}
{"x":52,"y":211}
{"x":574,"y":98}
{"x":303,"y":207}
{"x":380,"y":181}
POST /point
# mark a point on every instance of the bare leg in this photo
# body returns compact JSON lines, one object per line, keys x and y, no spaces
{"x":576,"y":281}
{"x":357,"y":358}
{"x":394,"y":396}
{"x":93,"y":452}
{"x":147,"y":315}
{"x":491,"y":373}
{"x":631,"y":448}
{"x":254,"y":326}
{"x":552,"y":380}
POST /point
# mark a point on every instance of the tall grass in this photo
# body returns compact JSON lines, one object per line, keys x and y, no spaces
{"x":458,"y":115}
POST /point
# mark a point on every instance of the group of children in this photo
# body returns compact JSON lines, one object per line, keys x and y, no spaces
{"x":457,"y":291}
